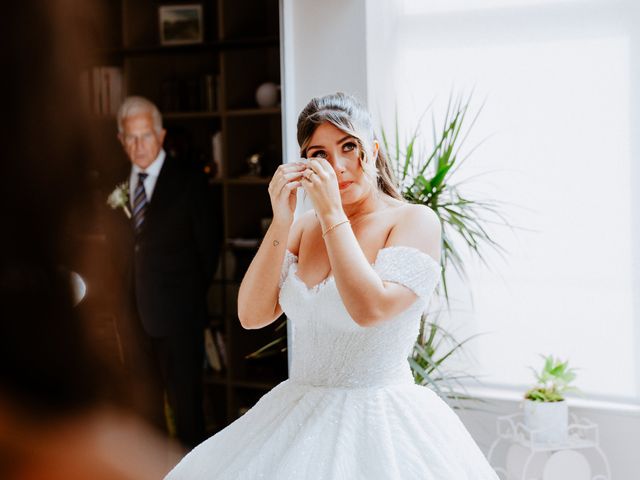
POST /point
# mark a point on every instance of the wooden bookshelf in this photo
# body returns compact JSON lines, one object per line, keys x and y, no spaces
{"x":241,"y":48}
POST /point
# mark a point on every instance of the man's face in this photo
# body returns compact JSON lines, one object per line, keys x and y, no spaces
{"x":140,"y":140}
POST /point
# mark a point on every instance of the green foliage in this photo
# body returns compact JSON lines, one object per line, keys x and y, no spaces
{"x":433,"y":347}
{"x":427,"y":176}
{"x":552,"y":381}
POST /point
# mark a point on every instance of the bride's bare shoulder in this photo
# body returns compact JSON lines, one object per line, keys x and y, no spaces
{"x":409,"y":212}
{"x":416,"y":226}
{"x":302,"y":223}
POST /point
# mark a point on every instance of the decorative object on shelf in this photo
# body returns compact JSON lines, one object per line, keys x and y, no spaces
{"x":518,"y":453}
{"x":216,"y":155}
{"x":268,"y":95}
{"x":119,"y":198}
{"x":180,"y":24}
{"x":254,"y":162}
{"x":545,"y":409}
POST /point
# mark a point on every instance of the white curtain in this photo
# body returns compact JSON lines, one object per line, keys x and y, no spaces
{"x":561,"y":85}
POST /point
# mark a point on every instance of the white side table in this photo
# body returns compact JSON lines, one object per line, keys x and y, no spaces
{"x":517,"y":454}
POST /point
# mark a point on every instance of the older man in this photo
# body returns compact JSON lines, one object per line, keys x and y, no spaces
{"x":166,"y":248}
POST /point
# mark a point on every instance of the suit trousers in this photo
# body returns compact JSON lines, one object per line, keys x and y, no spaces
{"x":171,"y":365}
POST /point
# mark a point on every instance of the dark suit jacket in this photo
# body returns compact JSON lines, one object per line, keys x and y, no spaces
{"x":166,"y":269}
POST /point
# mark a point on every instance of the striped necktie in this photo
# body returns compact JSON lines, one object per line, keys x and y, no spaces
{"x":139,"y":202}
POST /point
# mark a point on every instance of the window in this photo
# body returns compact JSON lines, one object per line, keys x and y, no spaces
{"x":560,"y":107}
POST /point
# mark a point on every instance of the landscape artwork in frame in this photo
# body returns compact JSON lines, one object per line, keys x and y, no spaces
{"x":180,"y":24}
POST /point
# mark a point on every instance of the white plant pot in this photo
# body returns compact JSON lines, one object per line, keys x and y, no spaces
{"x":547,"y":421}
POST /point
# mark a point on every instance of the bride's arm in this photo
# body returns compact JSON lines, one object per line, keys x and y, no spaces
{"x":258,"y":295}
{"x":259,"y":290}
{"x":366,"y":297}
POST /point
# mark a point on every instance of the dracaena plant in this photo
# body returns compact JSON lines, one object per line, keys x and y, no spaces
{"x":427,"y":174}
{"x":552,"y":381}
{"x":433,"y":347}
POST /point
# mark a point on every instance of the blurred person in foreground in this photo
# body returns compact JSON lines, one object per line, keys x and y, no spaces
{"x":58,"y":414}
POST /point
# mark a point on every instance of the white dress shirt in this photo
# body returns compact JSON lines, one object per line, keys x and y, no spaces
{"x":152,"y":171}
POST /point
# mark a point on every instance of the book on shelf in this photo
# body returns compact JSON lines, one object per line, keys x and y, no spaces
{"x":102,"y":89}
{"x":211,"y":349}
{"x":210,"y":90}
{"x":193,"y":94}
{"x":222,"y":349}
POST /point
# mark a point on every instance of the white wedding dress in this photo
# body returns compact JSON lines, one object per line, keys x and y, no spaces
{"x":350,"y":408}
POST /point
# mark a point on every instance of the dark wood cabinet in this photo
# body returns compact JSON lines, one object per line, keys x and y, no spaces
{"x":239,"y":52}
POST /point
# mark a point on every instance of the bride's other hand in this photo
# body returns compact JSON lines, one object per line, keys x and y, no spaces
{"x":282,"y":191}
{"x":320,"y":182}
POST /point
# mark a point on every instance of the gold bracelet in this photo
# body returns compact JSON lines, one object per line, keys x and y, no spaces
{"x":334,"y":226}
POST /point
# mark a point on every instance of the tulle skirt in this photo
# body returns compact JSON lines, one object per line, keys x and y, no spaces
{"x":299,"y":431}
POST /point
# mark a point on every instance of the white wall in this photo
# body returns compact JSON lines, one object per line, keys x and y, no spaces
{"x":324,"y":46}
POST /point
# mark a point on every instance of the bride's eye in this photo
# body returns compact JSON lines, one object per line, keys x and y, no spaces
{"x":349,"y":146}
{"x":319,"y":154}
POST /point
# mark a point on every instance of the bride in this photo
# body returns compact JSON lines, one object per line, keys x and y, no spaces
{"x":353,"y":276}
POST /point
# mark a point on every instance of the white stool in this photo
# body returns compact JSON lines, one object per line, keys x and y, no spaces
{"x":524,"y":457}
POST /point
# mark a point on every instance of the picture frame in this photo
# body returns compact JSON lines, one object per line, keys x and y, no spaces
{"x":180,"y":24}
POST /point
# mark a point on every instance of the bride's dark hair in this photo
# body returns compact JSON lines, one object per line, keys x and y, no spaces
{"x":349,"y":115}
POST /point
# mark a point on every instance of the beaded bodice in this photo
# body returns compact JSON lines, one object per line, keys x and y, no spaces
{"x":330,"y":349}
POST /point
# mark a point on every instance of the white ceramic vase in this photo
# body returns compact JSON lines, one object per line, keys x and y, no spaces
{"x":267,"y":95}
{"x":547,"y":421}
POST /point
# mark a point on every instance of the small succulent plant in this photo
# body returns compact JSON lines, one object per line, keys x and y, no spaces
{"x":553,"y":381}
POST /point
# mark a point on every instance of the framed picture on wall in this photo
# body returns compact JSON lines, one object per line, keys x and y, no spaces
{"x":180,"y":24}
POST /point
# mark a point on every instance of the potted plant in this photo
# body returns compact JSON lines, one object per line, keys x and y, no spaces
{"x":546,"y":413}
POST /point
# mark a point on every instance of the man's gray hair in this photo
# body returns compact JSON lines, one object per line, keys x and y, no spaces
{"x":135,"y":106}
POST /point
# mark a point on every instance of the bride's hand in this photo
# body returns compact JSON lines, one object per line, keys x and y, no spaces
{"x":282,"y":191}
{"x":321,"y":184}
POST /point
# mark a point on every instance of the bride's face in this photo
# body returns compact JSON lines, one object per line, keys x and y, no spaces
{"x":342,"y":152}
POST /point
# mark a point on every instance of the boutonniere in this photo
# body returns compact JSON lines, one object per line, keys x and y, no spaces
{"x":119,"y":198}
